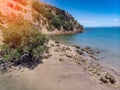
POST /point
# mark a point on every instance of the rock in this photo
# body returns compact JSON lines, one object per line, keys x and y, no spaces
{"x":87,"y":47}
{"x":98,"y":74}
{"x":3,"y":68}
{"x":84,"y":60}
{"x":83,"y":49}
{"x":20,"y":67}
{"x":95,"y":71}
{"x":78,"y":47}
{"x":69,"y":56}
{"x":90,"y":73}
{"x":104,"y":80}
{"x":50,"y":55}
{"x":88,"y":50}
{"x":63,"y":48}
{"x":52,"y":45}
{"x":25,"y":58}
{"x":56,"y":50}
{"x":97,"y":51}
{"x":1,"y":62}
{"x":95,"y":58}
{"x":110,"y":78}
{"x":58,"y":45}
{"x":61,"y":59}
{"x":57,"y":42}
{"x":90,"y":69}
{"x":67,"y":48}
{"x":79,"y":52}
{"x":79,"y":63}
{"x":47,"y":56}
{"x":47,"y":52}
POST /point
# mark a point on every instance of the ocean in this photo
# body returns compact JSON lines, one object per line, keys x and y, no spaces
{"x":106,"y":39}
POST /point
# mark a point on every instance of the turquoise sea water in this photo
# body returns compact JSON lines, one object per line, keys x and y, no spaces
{"x":107,"y":39}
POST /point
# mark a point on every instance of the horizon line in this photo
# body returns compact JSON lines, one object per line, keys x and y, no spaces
{"x":99,"y":26}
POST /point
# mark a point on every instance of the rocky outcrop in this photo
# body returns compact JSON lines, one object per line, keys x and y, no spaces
{"x":108,"y":78}
{"x":48,"y":19}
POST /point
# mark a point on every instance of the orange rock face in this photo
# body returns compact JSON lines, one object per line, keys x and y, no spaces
{"x":18,"y":7}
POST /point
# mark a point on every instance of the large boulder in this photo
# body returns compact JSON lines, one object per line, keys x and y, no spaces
{"x":79,"y":52}
{"x":104,"y":80}
{"x":110,"y":78}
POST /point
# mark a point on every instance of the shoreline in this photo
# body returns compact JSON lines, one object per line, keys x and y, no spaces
{"x":66,"y":64}
{"x":107,"y":57}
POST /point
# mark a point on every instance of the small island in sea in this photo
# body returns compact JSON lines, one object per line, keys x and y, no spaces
{"x":59,"y":45}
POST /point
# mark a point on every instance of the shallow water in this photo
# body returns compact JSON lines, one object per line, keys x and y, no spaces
{"x":107,"y":39}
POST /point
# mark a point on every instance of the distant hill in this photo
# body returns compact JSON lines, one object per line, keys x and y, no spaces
{"x":48,"y":19}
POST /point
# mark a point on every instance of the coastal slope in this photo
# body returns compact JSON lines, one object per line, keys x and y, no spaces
{"x":48,"y":19}
{"x":36,"y":63}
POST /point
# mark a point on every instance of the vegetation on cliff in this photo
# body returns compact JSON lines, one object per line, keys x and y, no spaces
{"x":23,"y":32}
{"x":45,"y":17}
{"x":54,"y":17}
{"x":20,"y":39}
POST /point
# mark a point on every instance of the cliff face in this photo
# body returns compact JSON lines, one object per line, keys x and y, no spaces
{"x":48,"y":19}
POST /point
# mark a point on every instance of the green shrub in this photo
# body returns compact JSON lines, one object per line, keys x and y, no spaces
{"x":38,"y":50}
{"x":56,"y":22}
{"x":67,"y":26}
{"x":22,"y":38}
{"x":49,"y":15}
{"x":57,"y":19}
{"x":42,"y":9}
{"x":61,"y":20}
{"x":9,"y":53}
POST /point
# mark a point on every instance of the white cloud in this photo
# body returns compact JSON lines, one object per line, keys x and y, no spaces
{"x":116,"y":19}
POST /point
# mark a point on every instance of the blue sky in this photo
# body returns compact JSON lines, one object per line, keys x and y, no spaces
{"x":91,"y":13}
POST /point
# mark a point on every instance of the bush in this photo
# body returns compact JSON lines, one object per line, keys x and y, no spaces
{"x":49,"y":15}
{"x":43,"y":9}
{"x":61,"y":20}
{"x":58,"y":19}
{"x":22,"y":38}
{"x":67,"y":26}
{"x":56,"y":22}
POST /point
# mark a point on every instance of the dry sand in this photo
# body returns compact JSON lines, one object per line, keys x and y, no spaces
{"x":59,"y":72}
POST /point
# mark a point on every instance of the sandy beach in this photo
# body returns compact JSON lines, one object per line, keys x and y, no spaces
{"x":63,"y":68}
